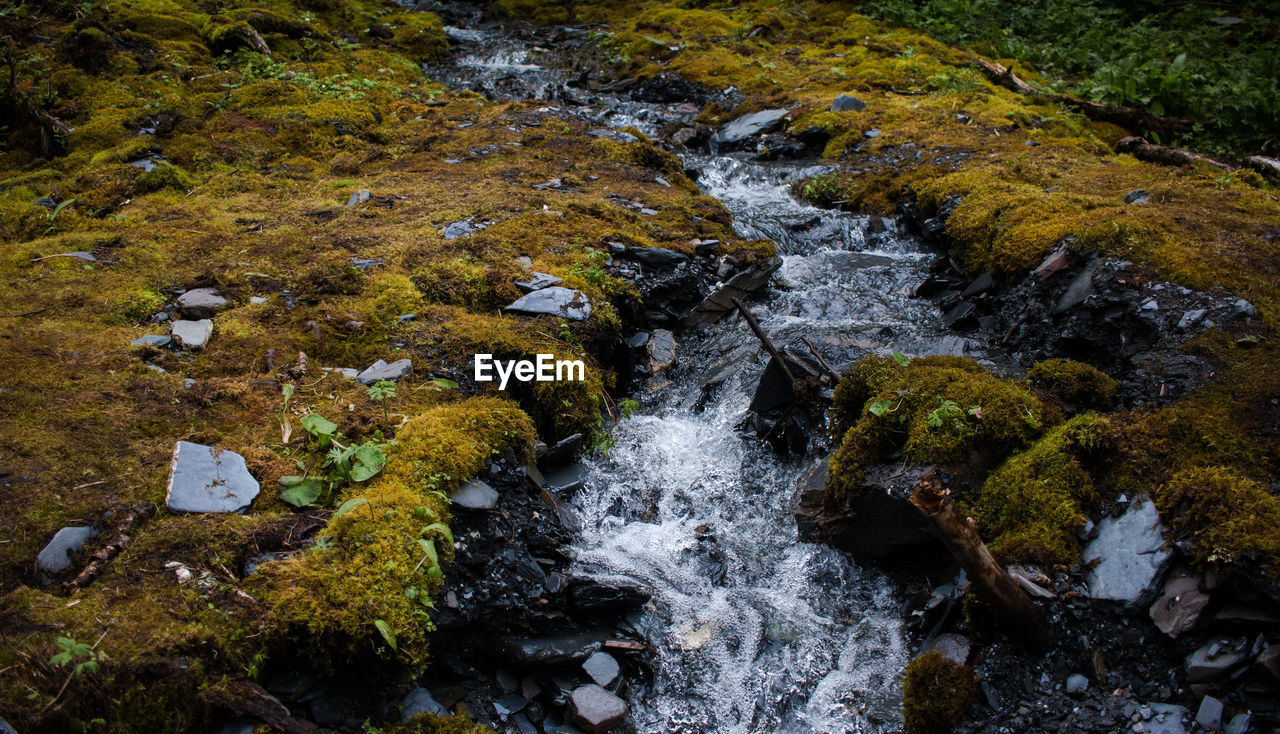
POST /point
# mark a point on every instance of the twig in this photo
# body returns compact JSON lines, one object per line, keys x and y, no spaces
{"x":27,"y":313}
{"x":830,"y":370}
{"x":764,"y":339}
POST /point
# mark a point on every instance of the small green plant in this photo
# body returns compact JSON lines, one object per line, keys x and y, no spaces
{"x":80,"y":654}
{"x":381,"y":392}
{"x":592,"y":270}
{"x":948,"y":413}
{"x":343,"y":462}
{"x":53,"y":213}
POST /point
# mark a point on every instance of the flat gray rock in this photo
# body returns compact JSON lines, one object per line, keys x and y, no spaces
{"x":1215,"y":660}
{"x":1180,"y":605}
{"x":380,"y":370}
{"x":537,"y":282}
{"x":56,"y":556}
{"x":567,"y":479}
{"x":1209,"y":715}
{"x":755,"y":123}
{"x":614,"y":135}
{"x":420,"y":701}
{"x":602,"y":668}
{"x":657,"y":257}
{"x":154,"y":340}
{"x":459,"y":229}
{"x":595,"y":709}
{"x":1131,"y":555}
{"x":847,"y":103}
{"x":360,"y":197}
{"x":566,"y":303}
{"x":208,"y":479}
{"x":201,"y":303}
{"x":475,"y":495}
{"x":1167,"y":719}
{"x":192,"y":335}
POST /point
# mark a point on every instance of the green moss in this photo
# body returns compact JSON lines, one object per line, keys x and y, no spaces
{"x":1232,"y":521}
{"x":1081,"y":386}
{"x":436,"y":724}
{"x":935,"y":694}
{"x":933,"y":410}
{"x":421,"y":35}
{"x":1032,"y":507}
{"x":163,"y":176}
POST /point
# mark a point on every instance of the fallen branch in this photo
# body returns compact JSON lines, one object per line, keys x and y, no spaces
{"x":764,"y":339}
{"x":252,"y":701}
{"x":1142,"y":150}
{"x":994,"y":585}
{"x":103,"y":555}
{"x":830,"y":370}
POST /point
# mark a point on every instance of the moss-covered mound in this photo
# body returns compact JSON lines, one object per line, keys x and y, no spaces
{"x":935,"y":694}
{"x":931,"y":410}
{"x":1080,"y":386}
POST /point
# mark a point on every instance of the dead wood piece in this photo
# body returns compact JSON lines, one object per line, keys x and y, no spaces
{"x":1142,"y":150}
{"x":764,"y":339}
{"x":252,"y":701}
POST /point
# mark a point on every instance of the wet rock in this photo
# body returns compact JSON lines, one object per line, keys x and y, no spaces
{"x":359,"y":197}
{"x":1215,"y":660}
{"x":1192,"y":317}
{"x":602,"y":668}
{"x":596,"y":710}
{"x":1137,"y":196}
{"x":1239,"y":724}
{"x":208,"y":479}
{"x":980,"y":285}
{"x":846,"y":103}
{"x":1269,"y":660}
{"x":201,"y":303}
{"x":617,"y":136}
{"x":510,"y":705}
{"x":567,"y":479}
{"x":537,"y":282}
{"x":656,"y":257}
{"x":192,"y":335}
{"x":877,"y":522}
{"x":661,"y":351}
{"x":381,"y":370}
{"x":950,"y":645}
{"x":592,"y":598}
{"x":1179,"y":606}
{"x":557,"y":650}
{"x":1077,"y":684}
{"x":1056,"y":261}
{"x":419,"y":701}
{"x":756,"y":123}
{"x":56,"y":555}
{"x":1209,"y":714}
{"x":719,"y":303}
{"x":963,"y":315}
{"x":1131,"y":555}
{"x":562,"y":453}
{"x":475,"y":495}
{"x":554,"y":301}
{"x":153,"y":340}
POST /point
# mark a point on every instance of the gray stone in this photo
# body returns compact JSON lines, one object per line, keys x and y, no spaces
{"x":380,"y":370}
{"x":567,"y":479}
{"x":661,"y":350}
{"x":980,"y":285}
{"x":346,"y":372}
{"x":595,"y":709}
{"x":1081,"y":288}
{"x":192,"y":335}
{"x":459,"y":229}
{"x":1214,"y":661}
{"x":510,"y":705}
{"x":662,"y":182}
{"x":1239,"y":723}
{"x":208,"y":479}
{"x":951,"y":646}
{"x":201,"y":303}
{"x":1191,"y":318}
{"x":56,"y":555}
{"x":420,"y":701}
{"x":1131,"y":555}
{"x":872,"y":133}
{"x":656,"y":257}
{"x":1166,"y":718}
{"x":602,"y":667}
{"x":475,"y":495}
{"x":614,"y":135}
{"x":538,"y":282}
{"x":846,"y":103}
{"x":153,"y":340}
{"x":256,"y":300}
{"x":1137,"y":196}
{"x":1179,"y":606}
{"x":359,"y":197}
{"x":756,"y":123}
{"x":1209,"y":714}
{"x":720,"y":302}
{"x":554,"y":301}
{"x":1077,"y":683}
{"x":551,"y":650}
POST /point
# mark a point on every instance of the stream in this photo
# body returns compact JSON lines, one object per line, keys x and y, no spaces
{"x":752,"y":630}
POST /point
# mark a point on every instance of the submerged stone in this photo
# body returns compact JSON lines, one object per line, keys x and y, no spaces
{"x":56,"y":555}
{"x":208,"y":479}
{"x":192,"y":335}
{"x":554,"y":301}
{"x":595,"y":709}
{"x":1131,"y":555}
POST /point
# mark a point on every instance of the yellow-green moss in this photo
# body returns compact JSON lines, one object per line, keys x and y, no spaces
{"x":163,"y":176}
{"x":1231,"y":520}
{"x":1081,"y":386}
{"x":935,"y":694}
{"x":436,"y":724}
{"x":1032,"y":507}
{"x":933,"y":409}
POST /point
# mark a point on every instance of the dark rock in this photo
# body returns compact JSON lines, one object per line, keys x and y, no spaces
{"x":1076,"y":684}
{"x":1056,"y":261}
{"x":1241,"y":723}
{"x":1137,"y":196}
{"x":56,"y":555}
{"x":716,"y":305}
{"x":562,"y":453}
{"x":567,"y":479}
{"x":615,"y":135}
{"x":1179,"y":606}
{"x":420,"y":701}
{"x":510,"y":705}
{"x":638,"y":340}
{"x":1209,"y":714}
{"x":558,"y":650}
{"x":381,"y":370}
{"x":963,"y":315}
{"x":1081,"y":288}
{"x":475,"y":495}
{"x":201,"y":303}
{"x":596,"y":710}
{"x":1131,"y":555}
{"x":192,"y":335}
{"x":846,"y":103}
{"x":980,"y":285}
{"x":554,"y":301}
{"x":878,"y":522}
{"x":592,"y":598}
{"x":602,"y":668}
{"x":1215,"y":660}
{"x":153,"y":340}
{"x":208,"y":479}
{"x":656,"y":257}
{"x":538,"y":282}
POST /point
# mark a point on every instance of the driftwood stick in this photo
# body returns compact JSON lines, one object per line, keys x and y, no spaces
{"x":825,"y":365}
{"x":993,"y":583}
{"x":103,"y":556}
{"x":252,"y":701}
{"x":1143,"y":150}
{"x":764,"y":339}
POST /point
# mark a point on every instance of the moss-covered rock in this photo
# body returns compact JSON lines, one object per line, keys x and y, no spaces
{"x":1081,"y":386}
{"x":935,"y":694}
{"x":1232,"y":521}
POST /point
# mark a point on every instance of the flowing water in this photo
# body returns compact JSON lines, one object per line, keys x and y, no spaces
{"x":752,"y":630}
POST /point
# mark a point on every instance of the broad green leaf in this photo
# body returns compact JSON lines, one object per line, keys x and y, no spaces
{"x":387,"y":634}
{"x":444,"y":530}
{"x":879,"y":407}
{"x":301,"y":492}
{"x":318,"y":425}
{"x":445,"y":383}
{"x":429,"y":548}
{"x":348,"y":506}
{"x":369,"y":460}
{"x":901,"y":358}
